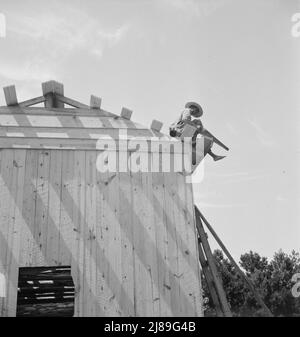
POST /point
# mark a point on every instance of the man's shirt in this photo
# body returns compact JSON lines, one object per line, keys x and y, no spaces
{"x":184,"y":117}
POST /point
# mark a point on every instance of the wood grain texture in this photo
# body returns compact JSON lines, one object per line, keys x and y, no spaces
{"x":10,"y":95}
{"x":95,"y":102}
{"x":11,"y":223}
{"x":129,"y":238}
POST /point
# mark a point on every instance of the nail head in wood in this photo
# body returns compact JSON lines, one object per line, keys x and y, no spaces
{"x":95,"y":102}
{"x":156,"y":125}
{"x":126,"y":113}
{"x":10,"y":95}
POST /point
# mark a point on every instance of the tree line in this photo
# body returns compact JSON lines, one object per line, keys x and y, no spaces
{"x":271,"y":278}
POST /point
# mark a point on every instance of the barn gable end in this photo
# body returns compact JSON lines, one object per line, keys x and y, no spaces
{"x":129,"y":237}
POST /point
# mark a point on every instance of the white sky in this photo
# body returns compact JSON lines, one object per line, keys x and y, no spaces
{"x":236,"y":58}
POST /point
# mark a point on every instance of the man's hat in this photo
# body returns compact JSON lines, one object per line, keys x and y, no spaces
{"x":200,"y":111}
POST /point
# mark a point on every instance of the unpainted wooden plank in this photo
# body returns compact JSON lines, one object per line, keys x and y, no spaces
{"x":66,"y":226}
{"x":70,"y":120}
{"x":182,"y":247}
{"x":193,"y":238}
{"x":66,"y":132}
{"x":127,"y":244}
{"x":2,"y":244}
{"x":62,"y":99}
{"x":190,"y":282}
{"x":15,"y":220}
{"x":213,"y":268}
{"x":42,"y":206}
{"x":101,"y":236}
{"x":210,"y":282}
{"x":172,"y":214}
{"x":29,"y":247}
{"x":109,"y":274}
{"x":162,"y":245}
{"x":32,"y":101}
{"x":103,"y":292}
{"x":86,"y":144}
{"x":114,"y":249}
{"x":78,"y":271}
{"x":172,"y":211}
{"x":79,"y":121}
{"x":50,"y":90}
{"x":5,"y":197}
{"x":150,"y":243}
{"x":52,"y":87}
{"x":126,"y":113}
{"x":54,"y":204}
{"x":86,"y":111}
{"x":143,"y":284}
{"x":95,"y":102}
{"x":10,"y":95}
{"x":90,"y":235}
{"x":156,"y":125}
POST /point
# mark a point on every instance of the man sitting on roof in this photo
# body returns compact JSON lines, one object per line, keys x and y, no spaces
{"x":191,"y":115}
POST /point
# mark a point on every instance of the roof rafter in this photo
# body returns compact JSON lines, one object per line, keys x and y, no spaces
{"x":53,"y":97}
{"x":71,"y":102}
{"x":32,"y":101}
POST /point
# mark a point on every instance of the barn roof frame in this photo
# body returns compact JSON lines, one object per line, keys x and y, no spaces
{"x":53,"y":98}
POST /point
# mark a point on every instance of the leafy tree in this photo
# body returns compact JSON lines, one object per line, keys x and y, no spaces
{"x":272,"y":280}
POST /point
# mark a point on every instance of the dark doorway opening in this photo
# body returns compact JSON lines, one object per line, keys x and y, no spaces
{"x":45,"y":291}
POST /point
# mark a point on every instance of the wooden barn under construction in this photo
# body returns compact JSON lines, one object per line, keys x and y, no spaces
{"x":76,"y":241}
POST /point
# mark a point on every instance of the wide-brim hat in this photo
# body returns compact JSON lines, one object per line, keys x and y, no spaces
{"x":198,"y":106}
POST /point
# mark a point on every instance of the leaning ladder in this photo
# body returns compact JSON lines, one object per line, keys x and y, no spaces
{"x":210,"y":271}
{"x":211,"y":274}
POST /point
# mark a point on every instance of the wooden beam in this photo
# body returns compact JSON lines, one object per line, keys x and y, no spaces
{"x":126,"y":113}
{"x":209,"y":280}
{"x":37,"y":111}
{"x":214,"y":272}
{"x":72,"y":102}
{"x":52,"y":87}
{"x":32,"y":101}
{"x":10,"y":95}
{"x":50,"y":90}
{"x":156,"y":125}
{"x":95,"y":102}
{"x":236,"y":266}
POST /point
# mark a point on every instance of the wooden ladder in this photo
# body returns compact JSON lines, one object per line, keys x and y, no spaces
{"x":210,"y":271}
{"x":213,"y":279}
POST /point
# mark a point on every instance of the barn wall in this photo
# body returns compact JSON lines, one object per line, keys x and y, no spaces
{"x":129,"y":238}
